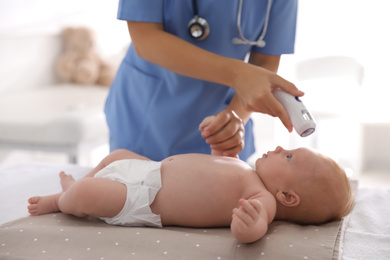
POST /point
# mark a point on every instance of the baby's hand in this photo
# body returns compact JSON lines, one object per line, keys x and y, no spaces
{"x":246,"y":215}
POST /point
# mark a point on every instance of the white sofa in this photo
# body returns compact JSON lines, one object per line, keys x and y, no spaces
{"x":39,"y":113}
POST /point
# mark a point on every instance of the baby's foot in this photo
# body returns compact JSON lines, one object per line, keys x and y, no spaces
{"x":66,"y":180}
{"x":43,"y":205}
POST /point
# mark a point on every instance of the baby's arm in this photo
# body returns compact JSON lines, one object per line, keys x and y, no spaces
{"x":250,"y":220}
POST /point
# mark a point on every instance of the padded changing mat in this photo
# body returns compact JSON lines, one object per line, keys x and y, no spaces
{"x":60,"y":236}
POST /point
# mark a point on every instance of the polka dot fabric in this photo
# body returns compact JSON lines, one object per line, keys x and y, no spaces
{"x":59,"y":236}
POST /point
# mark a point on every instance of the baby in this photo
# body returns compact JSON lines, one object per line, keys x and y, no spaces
{"x":198,"y":190}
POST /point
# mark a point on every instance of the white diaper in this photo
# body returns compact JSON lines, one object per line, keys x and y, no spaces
{"x":143,"y":181}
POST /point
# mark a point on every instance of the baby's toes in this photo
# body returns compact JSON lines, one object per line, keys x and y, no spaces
{"x":33,"y":200}
{"x":62,"y":174}
{"x":32,"y":209}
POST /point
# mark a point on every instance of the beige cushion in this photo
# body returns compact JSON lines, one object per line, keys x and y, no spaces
{"x":63,"y":114}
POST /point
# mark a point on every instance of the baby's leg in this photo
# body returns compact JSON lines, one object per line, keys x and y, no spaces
{"x":93,"y":196}
{"x":87,"y":196}
{"x":43,"y":205}
{"x":116,"y":155}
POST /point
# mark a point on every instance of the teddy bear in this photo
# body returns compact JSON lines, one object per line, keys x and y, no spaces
{"x":80,"y":63}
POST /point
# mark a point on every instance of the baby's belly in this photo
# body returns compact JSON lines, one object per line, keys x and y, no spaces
{"x":193,"y":213}
{"x":195,"y":207}
{"x":200,"y":193}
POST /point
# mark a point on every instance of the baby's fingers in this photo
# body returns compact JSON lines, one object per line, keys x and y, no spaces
{"x":242,"y":216}
{"x":257,"y":205}
{"x":252,"y":208}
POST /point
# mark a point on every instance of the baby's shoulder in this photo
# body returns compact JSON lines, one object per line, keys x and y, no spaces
{"x":262,"y":193}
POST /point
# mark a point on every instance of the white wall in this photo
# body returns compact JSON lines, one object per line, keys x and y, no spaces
{"x":30,"y":43}
{"x":357,"y":28}
{"x":22,"y":18}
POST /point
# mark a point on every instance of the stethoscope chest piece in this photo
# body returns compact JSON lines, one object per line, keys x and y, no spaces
{"x":198,"y":28}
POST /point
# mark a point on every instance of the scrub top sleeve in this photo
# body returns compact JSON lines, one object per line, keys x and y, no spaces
{"x":280,"y":36}
{"x":141,"y":10}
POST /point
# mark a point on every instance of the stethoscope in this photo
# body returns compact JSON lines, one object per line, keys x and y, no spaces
{"x":199,"y":29}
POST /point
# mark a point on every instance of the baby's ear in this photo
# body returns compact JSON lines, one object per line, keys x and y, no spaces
{"x":288,"y":198}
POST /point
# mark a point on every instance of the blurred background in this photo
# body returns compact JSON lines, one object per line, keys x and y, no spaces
{"x":340,"y":62}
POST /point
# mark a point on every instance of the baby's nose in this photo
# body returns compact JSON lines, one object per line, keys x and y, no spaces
{"x":278,"y":149}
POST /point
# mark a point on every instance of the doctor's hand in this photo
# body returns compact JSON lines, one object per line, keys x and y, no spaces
{"x":224,"y":132}
{"x":254,"y":86}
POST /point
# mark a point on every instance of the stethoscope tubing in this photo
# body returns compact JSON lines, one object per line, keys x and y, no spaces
{"x":202,"y":25}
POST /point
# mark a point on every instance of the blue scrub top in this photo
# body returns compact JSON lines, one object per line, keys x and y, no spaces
{"x":156,"y":112}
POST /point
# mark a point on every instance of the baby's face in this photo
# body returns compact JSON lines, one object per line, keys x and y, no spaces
{"x":286,"y":167}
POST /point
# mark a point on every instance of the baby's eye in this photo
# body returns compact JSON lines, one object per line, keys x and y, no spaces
{"x":289,"y":156}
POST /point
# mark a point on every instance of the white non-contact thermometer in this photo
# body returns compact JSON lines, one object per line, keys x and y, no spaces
{"x":303,"y":122}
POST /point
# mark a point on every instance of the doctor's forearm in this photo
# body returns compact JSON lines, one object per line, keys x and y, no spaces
{"x":269,"y":62}
{"x":155,"y":45}
{"x":237,"y":106}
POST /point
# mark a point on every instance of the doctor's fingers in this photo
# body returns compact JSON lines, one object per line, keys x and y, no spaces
{"x":231,"y":147}
{"x":205,"y":123}
{"x":220,"y":121}
{"x":279,"y":111}
{"x":271,"y":106}
{"x":232,"y":152}
{"x":285,"y":85}
{"x":227,"y":138}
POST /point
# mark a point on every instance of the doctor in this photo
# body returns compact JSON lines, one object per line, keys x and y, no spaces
{"x":187,"y":62}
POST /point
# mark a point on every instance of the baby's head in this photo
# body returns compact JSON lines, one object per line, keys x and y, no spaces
{"x":310,"y":188}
